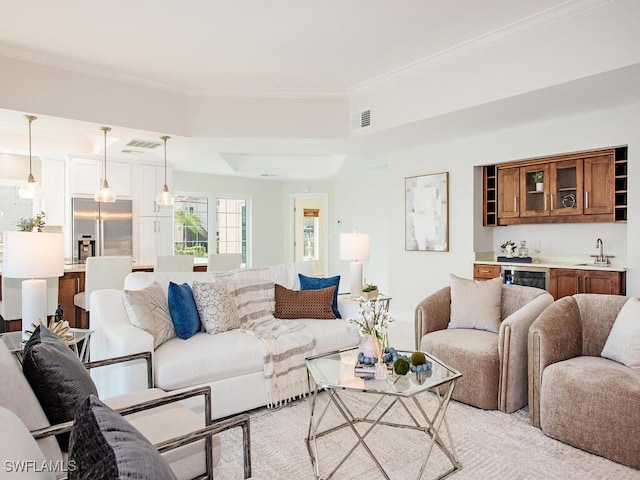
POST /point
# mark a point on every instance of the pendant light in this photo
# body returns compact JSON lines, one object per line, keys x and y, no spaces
{"x":105,"y":194}
{"x":165,"y":198}
{"x":31,"y":189}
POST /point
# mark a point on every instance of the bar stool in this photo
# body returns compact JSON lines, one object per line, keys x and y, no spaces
{"x":100,"y":273}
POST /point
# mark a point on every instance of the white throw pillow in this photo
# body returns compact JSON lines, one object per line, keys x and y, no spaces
{"x":475,"y":303}
{"x":216,"y":306}
{"x":623,"y":343}
{"x":148,"y":309}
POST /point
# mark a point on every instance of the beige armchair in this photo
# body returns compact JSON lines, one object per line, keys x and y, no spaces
{"x":493,"y":365}
{"x":575,"y":395}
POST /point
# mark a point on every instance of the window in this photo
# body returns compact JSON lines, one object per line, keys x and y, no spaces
{"x":310,"y":234}
{"x":12,"y":207}
{"x":193,"y":216}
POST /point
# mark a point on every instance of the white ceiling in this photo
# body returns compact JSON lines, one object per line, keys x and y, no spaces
{"x":221,"y":45}
{"x":289,"y":48}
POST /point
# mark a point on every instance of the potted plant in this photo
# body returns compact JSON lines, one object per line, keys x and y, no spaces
{"x":369,"y":291}
{"x":538,"y":178}
{"x":32,"y":224}
{"x":508,"y":247}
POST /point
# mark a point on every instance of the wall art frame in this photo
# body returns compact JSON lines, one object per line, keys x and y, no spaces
{"x":427,"y":212}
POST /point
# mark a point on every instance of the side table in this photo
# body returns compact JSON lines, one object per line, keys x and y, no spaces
{"x":385,"y":300}
{"x":79,"y":344}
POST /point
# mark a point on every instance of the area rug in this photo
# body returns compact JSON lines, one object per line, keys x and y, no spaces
{"x":489,"y":445}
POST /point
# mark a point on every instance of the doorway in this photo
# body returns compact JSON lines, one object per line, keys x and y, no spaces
{"x":309,"y":227}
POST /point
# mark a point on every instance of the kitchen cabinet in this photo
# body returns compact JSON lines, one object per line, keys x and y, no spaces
{"x":508,"y":193}
{"x":155,"y":222}
{"x":598,"y":185}
{"x":155,"y":237}
{"x":68,"y":285}
{"x":150,"y":179}
{"x":485,"y":271}
{"x":569,"y":281}
{"x":53,"y":190}
{"x":85,"y":176}
{"x":579,"y":188}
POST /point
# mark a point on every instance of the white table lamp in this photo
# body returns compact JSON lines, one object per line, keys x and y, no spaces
{"x":355,"y":246}
{"x":36,"y":256}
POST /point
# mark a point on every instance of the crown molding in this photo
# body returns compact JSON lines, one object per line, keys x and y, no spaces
{"x":92,"y":70}
{"x":522,"y":27}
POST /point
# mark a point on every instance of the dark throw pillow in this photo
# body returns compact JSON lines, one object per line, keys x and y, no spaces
{"x":315,"y":283}
{"x":304,"y":303}
{"x":184,"y":312}
{"x":57,"y":377}
{"x":104,"y":445}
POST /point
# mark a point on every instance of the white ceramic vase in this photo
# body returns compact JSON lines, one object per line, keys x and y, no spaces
{"x":368,"y":348}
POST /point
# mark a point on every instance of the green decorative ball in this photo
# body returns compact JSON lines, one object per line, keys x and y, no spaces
{"x":401,"y":366}
{"x":418,"y":358}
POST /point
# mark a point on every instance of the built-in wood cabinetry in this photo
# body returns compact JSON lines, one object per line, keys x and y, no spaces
{"x":568,"y":281}
{"x":585,"y":187}
{"x":485,"y":271}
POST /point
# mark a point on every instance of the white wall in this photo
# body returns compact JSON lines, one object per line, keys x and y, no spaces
{"x":268,"y":225}
{"x":413,"y":275}
{"x":519,"y":58}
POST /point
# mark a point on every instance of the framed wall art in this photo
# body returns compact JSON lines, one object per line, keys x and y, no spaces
{"x":427,"y":212}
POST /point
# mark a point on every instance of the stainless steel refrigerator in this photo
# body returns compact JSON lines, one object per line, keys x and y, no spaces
{"x":110,"y":225}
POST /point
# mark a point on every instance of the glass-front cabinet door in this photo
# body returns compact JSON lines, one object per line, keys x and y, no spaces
{"x":534,"y":190}
{"x":566,"y":187}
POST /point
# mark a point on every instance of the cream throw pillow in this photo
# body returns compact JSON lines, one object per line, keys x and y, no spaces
{"x":475,"y":303}
{"x":148,"y":309}
{"x":216,"y":306}
{"x":623,"y":343}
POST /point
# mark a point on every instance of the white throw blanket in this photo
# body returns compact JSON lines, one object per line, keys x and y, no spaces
{"x":286,"y":342}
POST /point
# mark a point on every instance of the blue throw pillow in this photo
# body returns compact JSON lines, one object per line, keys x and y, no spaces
{"x":183,"y":310}
{"x":316,"y":283}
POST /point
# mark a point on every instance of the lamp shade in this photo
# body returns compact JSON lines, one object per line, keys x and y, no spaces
{"x":354,"y":246}
{"x":33,"y":255}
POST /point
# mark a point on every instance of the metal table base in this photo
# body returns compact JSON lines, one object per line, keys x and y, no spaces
{"x":418,"y":419}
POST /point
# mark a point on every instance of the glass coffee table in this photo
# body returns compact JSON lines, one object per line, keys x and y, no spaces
{"x":334,"y":374}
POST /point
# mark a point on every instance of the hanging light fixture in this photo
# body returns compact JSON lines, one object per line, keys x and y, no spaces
{"x":164,"y":197}
{"x":105,"y":194}
{"x":31,"y":189}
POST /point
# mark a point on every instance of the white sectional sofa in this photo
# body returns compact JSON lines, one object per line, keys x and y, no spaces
{"x":231,"y":362}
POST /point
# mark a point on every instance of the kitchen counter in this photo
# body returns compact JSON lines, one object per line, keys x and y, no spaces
{"x":558,"y":264}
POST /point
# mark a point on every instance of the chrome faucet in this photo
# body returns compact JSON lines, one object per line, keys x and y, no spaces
{"x":601,"y":258}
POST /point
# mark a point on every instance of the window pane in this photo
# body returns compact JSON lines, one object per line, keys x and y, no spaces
{"x":191,"y":223}
{"x":231,"y":226}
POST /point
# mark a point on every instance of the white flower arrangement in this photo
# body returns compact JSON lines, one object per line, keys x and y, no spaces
{"x":508,"y":246}
{"x":374,"y":318}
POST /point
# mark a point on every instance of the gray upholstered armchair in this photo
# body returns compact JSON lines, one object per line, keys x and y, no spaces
{"x":493,"y":365}
{"x":575,"y":395}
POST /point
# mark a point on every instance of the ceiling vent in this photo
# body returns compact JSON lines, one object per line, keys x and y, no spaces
{"x":361,"y":119}
{"x":132,"y":152}
{"x":143,"y":144}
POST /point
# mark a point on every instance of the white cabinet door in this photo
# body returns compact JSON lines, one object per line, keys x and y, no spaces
{"x":84,"y":176}
{"x":164,"y":236}
{"x":119,"y":177}
{"x":150,"y":179}
{"x":53,"y":199}
{"x":155,"y":237}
